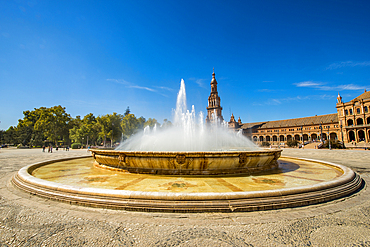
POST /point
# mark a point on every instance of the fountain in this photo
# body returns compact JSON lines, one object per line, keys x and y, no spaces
{"x":190,"y":167}
{"x":189,"y":147}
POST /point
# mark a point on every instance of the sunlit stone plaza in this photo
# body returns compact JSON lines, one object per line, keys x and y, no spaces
{"x":31,"y":220}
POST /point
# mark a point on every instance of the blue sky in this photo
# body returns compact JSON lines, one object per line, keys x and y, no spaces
{"x":273,"y":59}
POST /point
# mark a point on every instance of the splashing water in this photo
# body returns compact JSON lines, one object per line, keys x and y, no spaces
{"x":188,"y":133}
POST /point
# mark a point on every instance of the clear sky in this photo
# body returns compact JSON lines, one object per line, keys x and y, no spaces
{"x":273,"y":59}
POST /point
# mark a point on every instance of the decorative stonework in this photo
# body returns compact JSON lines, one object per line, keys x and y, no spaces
{"x":180,"y":159}
{"x":121,"y":158}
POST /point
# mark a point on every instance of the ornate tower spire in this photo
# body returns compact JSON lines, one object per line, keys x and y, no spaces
{"x":214,"y":109}
{"x":213,"y":82}
{"x":339,"y":99}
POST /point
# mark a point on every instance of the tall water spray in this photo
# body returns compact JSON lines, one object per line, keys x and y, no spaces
{"x":188,"y":133}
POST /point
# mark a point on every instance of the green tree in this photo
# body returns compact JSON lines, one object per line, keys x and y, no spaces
{"x":130,"y":124}
{"x":25,"y":132}
{"x":85,"y":130}
{"x":9,"y":136}
{"x":110,"y":126}
{"x":127,"y":111}
{"x":54,"y":122}
{"x":92,"y":128}
{"x":151,"y":122}
{"x":166,"y":123}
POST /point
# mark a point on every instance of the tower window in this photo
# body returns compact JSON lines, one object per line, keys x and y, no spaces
{"x":346,"y":112}
{"x":350,"y":112}
{"x":358,"y":110}
{"x":366,"y":109}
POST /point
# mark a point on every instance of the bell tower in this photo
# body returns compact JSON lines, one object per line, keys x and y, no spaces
{"x":214,"y":109}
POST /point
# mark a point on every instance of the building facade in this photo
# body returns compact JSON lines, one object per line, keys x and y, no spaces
{"x":351,"y":123}
{"x":354,"y":118}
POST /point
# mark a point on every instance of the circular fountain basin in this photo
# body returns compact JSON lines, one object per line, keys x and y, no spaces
{"x":295,"y":182}
{"x":188,"y":163}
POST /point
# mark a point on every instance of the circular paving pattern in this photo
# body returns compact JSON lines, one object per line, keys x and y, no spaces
{"x":296,"y":182}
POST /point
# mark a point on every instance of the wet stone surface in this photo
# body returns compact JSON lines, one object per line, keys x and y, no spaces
{"x":26,"y":220}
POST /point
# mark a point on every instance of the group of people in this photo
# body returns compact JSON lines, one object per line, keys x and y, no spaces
{"x":50,"y":148}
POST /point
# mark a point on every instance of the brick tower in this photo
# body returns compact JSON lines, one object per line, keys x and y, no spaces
{"x":214,"y":109}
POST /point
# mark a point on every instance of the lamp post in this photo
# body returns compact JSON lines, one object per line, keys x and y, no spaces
{"x":321,"y":134}
{"x":302,"y":134}
{"x":111,"y":140}
{"x":329,"y":137}
{"x":341,"y":130}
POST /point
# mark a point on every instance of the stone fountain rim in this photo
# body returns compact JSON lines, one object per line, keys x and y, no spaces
{"x":215,"y":152}
{"x":37,"y":184}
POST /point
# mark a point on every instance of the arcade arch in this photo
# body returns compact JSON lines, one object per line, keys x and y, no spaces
{"x":361,"y":135}
{"x":305,"y":137}
{"x":333,"y":136}
{"x":351,"y":136}
{"x":313,"y":137}
{"x":359,"y":121}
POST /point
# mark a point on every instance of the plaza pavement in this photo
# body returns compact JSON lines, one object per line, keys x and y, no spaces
{"x":27,"y":220}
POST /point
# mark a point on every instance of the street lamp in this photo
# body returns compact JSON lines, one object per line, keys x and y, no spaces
{"x":329,"y":137}
{"x":302,"y":134}
{"x":321,"y":134}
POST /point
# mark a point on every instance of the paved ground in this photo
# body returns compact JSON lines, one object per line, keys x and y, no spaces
{"x":27,"y":220}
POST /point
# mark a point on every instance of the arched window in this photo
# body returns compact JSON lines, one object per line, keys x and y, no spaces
{"x":359,"y":121}
{"x":254,"y":138}
{"x":361,"y":135}
{"x":349,"y":122}
{"x":358,"y":110}
{"x":368,"y":120}
{"x":268,"y":138}
{"x":261,"y":138}
{"x":274,"y":138}
{"x":366,"y":109}
{"x":351,"y":136}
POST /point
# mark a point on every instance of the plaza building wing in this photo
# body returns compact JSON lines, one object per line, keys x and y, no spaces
{"x":300,"y":129}
{"x":351,"y":123}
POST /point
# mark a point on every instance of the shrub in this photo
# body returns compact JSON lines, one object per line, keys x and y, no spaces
{"x":76,"y":145}
{"x":292,"y":143}
{"x":265,"y":144}
{"x":334,"y":144}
